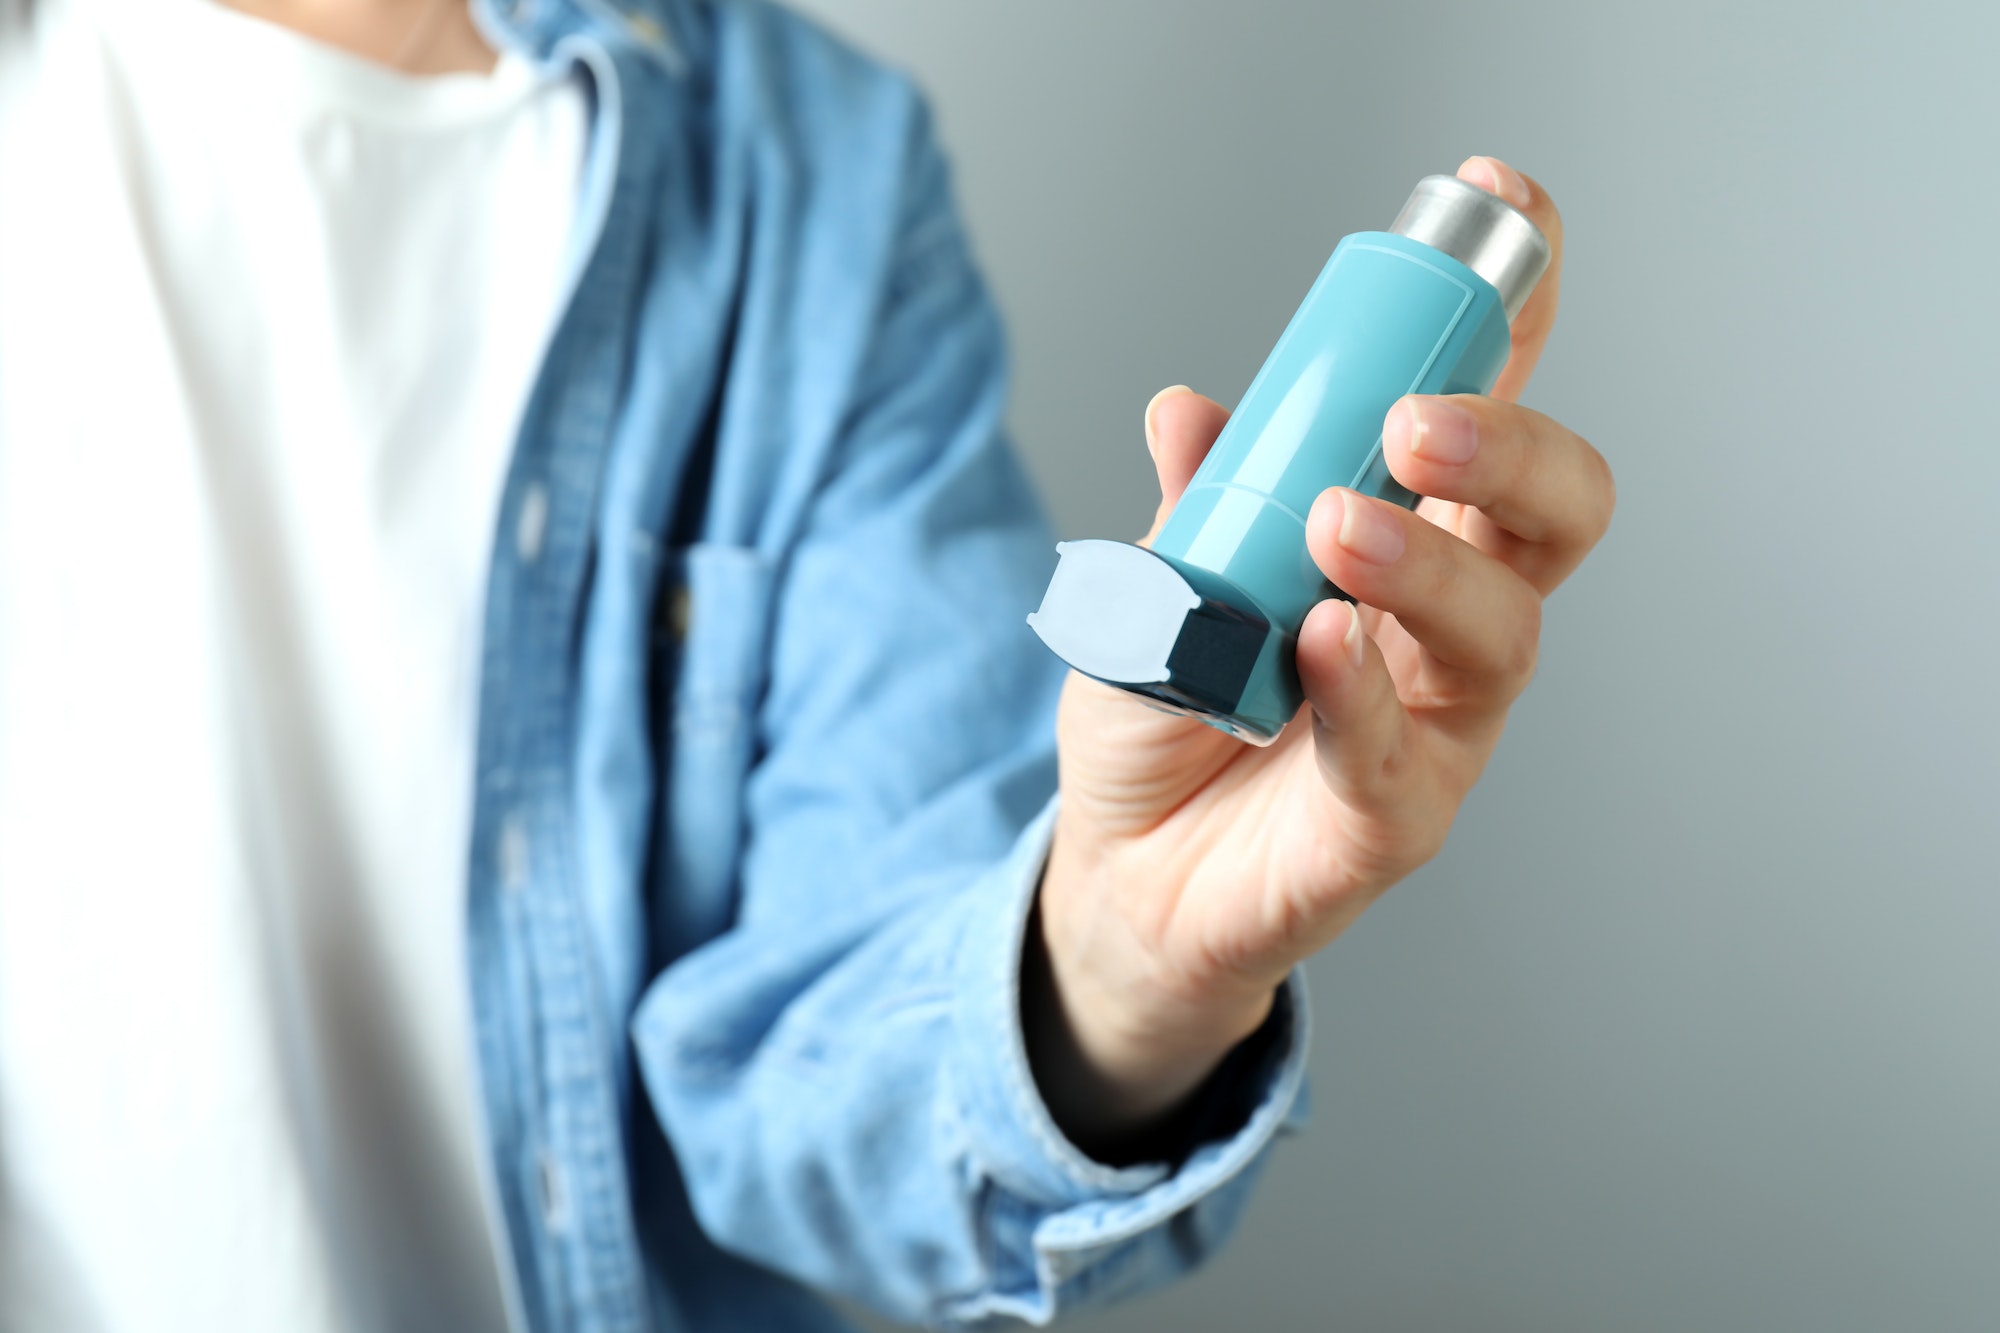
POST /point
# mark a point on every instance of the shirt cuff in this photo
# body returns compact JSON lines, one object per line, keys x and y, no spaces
{"x":1081,"y":1206}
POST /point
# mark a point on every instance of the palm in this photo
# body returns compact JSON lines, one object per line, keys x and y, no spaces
{"x":1262,"y":861}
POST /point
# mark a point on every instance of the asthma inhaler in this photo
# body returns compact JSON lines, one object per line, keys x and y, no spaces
{"x":1205,"y":621}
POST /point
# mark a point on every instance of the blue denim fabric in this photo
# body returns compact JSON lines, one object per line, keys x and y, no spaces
{"x":765,"y":750}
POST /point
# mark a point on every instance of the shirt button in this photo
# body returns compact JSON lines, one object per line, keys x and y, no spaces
{"x":646,"y":30}
{"x":532,"y":523}
{"x":678,"y":611}
{"x":514,"y":854}
{"x":554,"y":1210}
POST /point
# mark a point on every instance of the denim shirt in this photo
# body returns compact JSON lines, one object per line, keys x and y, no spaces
{"x":765,"y":752}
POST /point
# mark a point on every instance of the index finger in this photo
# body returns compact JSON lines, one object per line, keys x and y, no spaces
{"x":1531,"y":327}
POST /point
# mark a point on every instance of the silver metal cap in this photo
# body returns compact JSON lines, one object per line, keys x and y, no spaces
{"x":1481,"y":231}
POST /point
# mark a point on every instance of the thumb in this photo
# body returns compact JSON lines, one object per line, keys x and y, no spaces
{"x":1180,"y":427}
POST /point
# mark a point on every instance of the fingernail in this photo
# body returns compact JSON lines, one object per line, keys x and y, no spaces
{"x":1355,"y":640}
{"x":1366,"y":533}
{"x":1496,"y":177}
{"x":1151,"y":446}
{"x":1441,"y":431}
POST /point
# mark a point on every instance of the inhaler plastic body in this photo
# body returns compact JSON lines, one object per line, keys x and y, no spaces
{"x":1206,"y":620}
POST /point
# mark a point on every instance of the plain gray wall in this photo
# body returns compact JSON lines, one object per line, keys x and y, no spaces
{"x":1695,"y":1024}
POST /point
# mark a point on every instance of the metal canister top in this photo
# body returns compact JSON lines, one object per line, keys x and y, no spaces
{"x":1481,"y":231}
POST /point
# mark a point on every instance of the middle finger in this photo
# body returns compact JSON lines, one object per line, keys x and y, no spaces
{"x":1464,"y":607}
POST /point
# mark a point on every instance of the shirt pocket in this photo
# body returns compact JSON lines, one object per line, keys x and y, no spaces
{"x":715,"y":631}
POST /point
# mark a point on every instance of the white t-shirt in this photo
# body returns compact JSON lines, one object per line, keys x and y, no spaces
{"x":268,"y":317}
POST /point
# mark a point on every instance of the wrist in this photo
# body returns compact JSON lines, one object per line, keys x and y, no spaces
{"x":1120,"y":1036}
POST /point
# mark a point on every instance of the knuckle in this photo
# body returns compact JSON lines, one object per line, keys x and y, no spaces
{"x":1606,"y":491}
{"x":1522,"y":662}
{"x":1428,"y":811}
{"x":1568,"y":473}
{"x":1528,"y":477}
{"x":1521,"y":652}
{"x":1443,"y":574}
{"x":1494,"y":417}
{"x":1397,"y":769}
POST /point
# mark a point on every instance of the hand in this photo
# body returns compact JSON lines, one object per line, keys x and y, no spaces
{"x":1190,"y":871}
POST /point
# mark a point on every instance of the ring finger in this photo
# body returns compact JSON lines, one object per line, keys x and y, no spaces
{"x":1467,"y":609}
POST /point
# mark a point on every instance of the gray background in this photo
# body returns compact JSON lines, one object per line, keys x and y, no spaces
{"x":1692,"y":1025}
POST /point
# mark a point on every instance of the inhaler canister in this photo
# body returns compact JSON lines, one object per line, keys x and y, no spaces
{"x":1205,"y":621}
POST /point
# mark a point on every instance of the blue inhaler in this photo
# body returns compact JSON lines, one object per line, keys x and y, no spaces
{"x":1205,"y":621}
